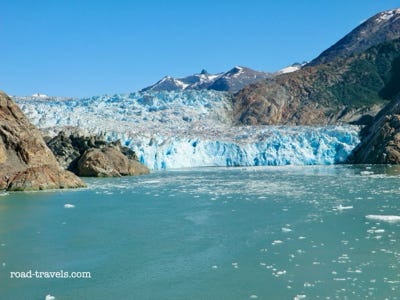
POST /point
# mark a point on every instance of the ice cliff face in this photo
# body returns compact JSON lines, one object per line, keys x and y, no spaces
{"x":182,"y":129}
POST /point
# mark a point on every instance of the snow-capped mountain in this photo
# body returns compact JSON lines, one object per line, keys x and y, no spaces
{"x":382,"y":27}
{"x":231,"y":81}
{"x":191,"y":128}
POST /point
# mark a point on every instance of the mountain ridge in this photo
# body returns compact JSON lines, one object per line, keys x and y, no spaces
{"x":230,"y":81}
{"x":381,"y":27}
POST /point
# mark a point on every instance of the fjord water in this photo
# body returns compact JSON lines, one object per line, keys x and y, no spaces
{"x":320,"y":232}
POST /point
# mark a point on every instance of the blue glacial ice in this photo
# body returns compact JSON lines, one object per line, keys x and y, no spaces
{"x":190,"y":129}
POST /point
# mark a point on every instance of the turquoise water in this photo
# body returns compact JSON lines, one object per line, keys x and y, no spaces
{"x":237,"y":233}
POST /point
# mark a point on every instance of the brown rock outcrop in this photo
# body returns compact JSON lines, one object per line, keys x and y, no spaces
{"x":108,"y":161}
{"x":26,"y":163}
{"x":380,"y":143}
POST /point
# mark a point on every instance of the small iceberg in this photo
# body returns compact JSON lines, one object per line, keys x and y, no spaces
{"x":68,"y":205}
{"x":384,"y":218}
{"x":341,"y":207}
{"x":49,"y":297}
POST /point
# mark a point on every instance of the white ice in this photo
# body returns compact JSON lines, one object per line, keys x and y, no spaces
{"x":189,"y":128}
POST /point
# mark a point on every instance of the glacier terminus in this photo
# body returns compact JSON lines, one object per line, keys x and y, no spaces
{"x":190,"y":128}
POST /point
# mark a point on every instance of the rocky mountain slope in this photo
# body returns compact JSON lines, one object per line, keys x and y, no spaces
{"x":26,"y":163}
{"x":382,"y":27}
{"x":380,"y":143}
{"x":351,"y":89}
{"x":231,"y":81}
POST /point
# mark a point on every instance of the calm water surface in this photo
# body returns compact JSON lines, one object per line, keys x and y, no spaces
{"x":321,"y":232}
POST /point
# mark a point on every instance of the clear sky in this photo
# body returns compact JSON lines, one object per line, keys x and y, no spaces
{"x":91,"y":47}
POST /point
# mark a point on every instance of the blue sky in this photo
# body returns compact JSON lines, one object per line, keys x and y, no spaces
{"x":85,"y":48}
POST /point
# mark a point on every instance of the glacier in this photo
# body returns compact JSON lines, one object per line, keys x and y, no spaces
{"x":191,"y":128}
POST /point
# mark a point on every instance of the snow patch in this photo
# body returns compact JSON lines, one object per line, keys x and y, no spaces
{"x":387,"y":15}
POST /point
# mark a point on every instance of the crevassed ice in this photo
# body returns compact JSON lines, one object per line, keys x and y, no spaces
{"x":190,"y":129}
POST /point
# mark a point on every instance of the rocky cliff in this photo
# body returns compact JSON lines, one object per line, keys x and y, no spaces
{"x":380,"y":143}
{"x":93,"y":156}
{"x":351,"y":89}
{"x":108,"y":161}
{"x":26,"y":163}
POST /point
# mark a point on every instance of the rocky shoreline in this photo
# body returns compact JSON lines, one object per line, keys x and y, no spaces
{"x":92,"y":156}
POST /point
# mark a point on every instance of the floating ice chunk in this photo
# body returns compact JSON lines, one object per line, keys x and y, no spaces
{"x":214,"y":267}
{"x":308,"y":284}
{"x":49,"y":297}
{"x":384,"y":218}
{"x":253,"y":297}
{"x":68,"y":205}
{"x":299,"y":297}
{"x":280,"y":273}
{"x":341,"y":207}
{"x":276,"y":242}
{"x":366,"y":173}
{"x":285,"y":229}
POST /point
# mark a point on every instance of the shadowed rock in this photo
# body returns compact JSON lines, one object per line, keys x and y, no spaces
{"x":380,"y":143}
{"x":92,"y":156}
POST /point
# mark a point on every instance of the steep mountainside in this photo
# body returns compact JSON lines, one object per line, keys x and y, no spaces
{"x":380,"y":28}
{"x":25,"y":161}
{"x":380,"y":143}
{"x":346,"y":90}
{"x":231,"y":81}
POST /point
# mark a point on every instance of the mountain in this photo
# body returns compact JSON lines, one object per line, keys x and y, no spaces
{"x":382,"y":27}
{"x":351,"y":89}
{"x":231,"y":81}
{"x":26,"y":163}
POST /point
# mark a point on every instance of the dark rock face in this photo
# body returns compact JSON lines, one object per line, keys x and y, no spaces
{"x":348,"y":90}
{"x":26,"y":163}
{"x":108,"y":161}
{"x":68,"y":148}
{"x":380,"y":143}
{"x":380,"y":28}
{"x":94,"y":157}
